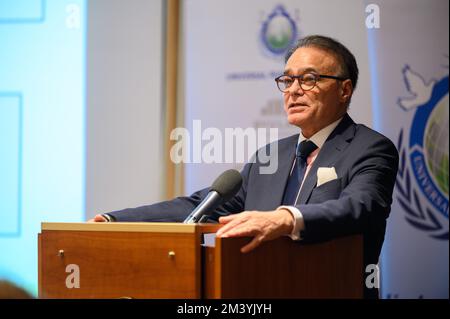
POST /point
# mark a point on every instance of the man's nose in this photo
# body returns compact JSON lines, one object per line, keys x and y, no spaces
{"x":296,"y":88}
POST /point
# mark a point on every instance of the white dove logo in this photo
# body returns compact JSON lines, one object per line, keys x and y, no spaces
{"x":416,"y":85}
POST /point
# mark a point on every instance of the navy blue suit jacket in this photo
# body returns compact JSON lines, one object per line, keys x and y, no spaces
{"x":357,"y":202}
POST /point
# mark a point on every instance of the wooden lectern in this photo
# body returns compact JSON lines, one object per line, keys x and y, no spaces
{"x":171,"y":260}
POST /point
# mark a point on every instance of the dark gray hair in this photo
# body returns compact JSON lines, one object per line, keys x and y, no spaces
{"x":347,"y":60}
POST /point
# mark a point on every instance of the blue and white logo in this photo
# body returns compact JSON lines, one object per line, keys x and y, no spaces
{"x":278,"y":32}
{"x":425,"y":153}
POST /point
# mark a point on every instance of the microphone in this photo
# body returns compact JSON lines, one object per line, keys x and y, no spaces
{"x":222,"y":190}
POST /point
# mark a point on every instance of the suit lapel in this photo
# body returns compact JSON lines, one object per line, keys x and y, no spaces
{"x":329,"y":153}
{"x":274,"y":184}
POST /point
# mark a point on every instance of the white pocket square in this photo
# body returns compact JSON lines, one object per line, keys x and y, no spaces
{"x":325,"y":174}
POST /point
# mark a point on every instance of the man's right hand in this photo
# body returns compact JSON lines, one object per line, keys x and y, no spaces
{"x":97,"y":219}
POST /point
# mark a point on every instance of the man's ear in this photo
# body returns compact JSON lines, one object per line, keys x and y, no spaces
{"x":346,"y":91}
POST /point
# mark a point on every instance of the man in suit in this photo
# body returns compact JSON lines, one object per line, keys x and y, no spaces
{"x":334,"y":179}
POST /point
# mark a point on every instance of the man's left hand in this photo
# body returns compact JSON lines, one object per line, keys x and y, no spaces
{"x":262,"y":226}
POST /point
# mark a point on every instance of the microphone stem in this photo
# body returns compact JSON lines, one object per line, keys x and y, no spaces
{"x":211,"y":201}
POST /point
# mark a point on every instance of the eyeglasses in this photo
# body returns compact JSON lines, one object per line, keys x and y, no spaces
{"x":307,"y":81}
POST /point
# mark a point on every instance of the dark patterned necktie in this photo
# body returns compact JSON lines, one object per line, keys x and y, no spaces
{"x":304,"y":149}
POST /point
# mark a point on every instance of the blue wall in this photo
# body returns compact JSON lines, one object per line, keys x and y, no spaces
{"x":42,"y":121}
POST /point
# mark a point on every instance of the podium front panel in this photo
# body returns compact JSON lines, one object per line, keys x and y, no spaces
{"x":119,"y":261}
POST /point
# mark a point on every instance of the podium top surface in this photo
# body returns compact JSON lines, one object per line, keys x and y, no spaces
{"x":131,"y":227}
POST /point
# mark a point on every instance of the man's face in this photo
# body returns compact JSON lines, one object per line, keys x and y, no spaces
{"x":314,"y":109}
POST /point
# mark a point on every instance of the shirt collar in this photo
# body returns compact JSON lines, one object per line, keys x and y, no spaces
{"x":320,"y":137}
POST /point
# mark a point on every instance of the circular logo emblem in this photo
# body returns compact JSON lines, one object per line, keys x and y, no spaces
{"x":428,"y":143}
{"x":425,"y":155}
{"x":279,"y":31}
{"x":436,"y":145}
